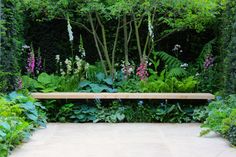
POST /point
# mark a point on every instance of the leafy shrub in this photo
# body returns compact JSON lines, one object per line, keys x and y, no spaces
{"x":165,"y":83}
{"x":232,"y":135}
{"x":32,"y":110}
{"x":101,"y":84}
{"x":19,"y":115}
{"x":200,"y":113}
{"x":130,"y":85}
{"x":123,"y":111}
{"x":221,"y":117}
{"x":174,"y":113}
{"x":44,"y":83}
{"x":50,"y":83}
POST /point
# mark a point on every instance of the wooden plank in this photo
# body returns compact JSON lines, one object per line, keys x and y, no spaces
{"x":74,"y":95}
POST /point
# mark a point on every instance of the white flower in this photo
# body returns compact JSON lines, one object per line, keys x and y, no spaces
{"x":130,"y":70}
{"x":57,"y":58}
{"x":150,"y":28}
{"x":67,"y":61}
{"x":86,"y":66}
{"x":69,"y":28}
{"x":81,"y":47}
{"x":77,"y":58}
{"x":197,"y":74}
{"x":68,"y":66}
{"x":25,"y":47}
{"x":185,"y":65}
{"x":63,"y":73}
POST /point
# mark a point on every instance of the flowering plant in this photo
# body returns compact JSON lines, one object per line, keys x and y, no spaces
{"x":34,"y":64}
{"x":142,"y":70}
{"x":209,"y":61}
{"x":72,"y":66}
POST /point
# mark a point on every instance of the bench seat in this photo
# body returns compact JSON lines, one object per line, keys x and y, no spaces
{"x":77,"y":95}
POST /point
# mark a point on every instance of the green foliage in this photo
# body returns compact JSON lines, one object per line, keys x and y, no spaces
{"x":221,"y":117}
{"x":232,"y":135}
{"x":210,"y":80}
{"x":50,"y":83}
{"x":123,"y":111}
{"x":19,"y":115}
{"x":206,"y":50}
{"x":112,"y":113}
{"x":228,"y":41}
{"x":200,"y":113}
{"x":173,"y":113}
{"x":230,"y":85}
{"x":32,"y":109}
{"x":101,"y":84}
{"x":165,"y":16}
{"x":169,"y":59}
{"x":140,"y":113}
{"x":130,"y":86}
{"x":4,"y":84}
{"x":11,"y":28}
{"x":44,"y":83}
{"x":167,"y":83}
{"x":172,"y":63}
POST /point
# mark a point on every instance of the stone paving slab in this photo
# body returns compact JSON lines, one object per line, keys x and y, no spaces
{"x":123,"y":140}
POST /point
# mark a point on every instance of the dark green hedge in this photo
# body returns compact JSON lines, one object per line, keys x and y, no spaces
{"x":11,"y":41}
{"x":230,"y":47}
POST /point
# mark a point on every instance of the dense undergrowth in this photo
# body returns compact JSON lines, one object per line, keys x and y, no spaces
{"x":19,"y":116}
{"x":222,"y":118}
{"x":124,"y":111}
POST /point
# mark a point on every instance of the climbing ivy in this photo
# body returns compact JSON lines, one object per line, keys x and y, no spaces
{"x":11,"y":27}
{"x":229,"y":38}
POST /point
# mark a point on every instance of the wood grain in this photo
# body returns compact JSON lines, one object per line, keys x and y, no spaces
{"x":76,"y":95}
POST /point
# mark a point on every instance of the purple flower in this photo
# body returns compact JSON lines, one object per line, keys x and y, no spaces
{"x":31,"y":63}
{"x":39,"y":63}
{"x":209,"y":61}
{"x":142,"y":71}
{"x":20,"y":86}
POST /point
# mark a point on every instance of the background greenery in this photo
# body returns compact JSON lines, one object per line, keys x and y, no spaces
{"x":190,"y":46}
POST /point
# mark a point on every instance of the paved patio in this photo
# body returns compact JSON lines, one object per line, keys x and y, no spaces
{"x":123,"y":140}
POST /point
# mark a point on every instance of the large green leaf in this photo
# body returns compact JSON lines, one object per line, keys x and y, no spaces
{"x":84,"y":83}
{"x":100,"y":76}
{"x":44,"y":78}
{"x":108,"y":80}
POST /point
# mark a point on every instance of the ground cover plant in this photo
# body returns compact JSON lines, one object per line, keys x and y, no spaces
{"x":115,"y":111}
{"x":222,"y":118}
{"x":19,"y":116}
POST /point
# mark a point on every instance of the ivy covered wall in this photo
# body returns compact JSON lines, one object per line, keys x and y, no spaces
{"x":11,"y":25}
{"x":229,"y":39}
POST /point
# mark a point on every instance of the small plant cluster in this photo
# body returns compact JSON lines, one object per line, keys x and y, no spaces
{"x":34,"y":60}
{"x":123,"y":111}
{"x":71,"y":66}
{"x":19,"y":116}
{"x":222,"y":118}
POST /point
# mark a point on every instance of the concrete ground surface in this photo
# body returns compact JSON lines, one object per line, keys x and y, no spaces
{"x":123,"y":140}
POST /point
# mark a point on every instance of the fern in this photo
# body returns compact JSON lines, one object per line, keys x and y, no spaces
{"x":177,"y":72}
{"x":206,"y":50}
{"x":171,"y":61}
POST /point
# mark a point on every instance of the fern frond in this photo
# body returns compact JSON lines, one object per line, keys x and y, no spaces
{"x":206,"y":50}
{"x":169,"y":60}
{"x":177,"y":72}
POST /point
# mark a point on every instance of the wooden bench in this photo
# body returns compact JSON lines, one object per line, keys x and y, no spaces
{"x":76,"y":95}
